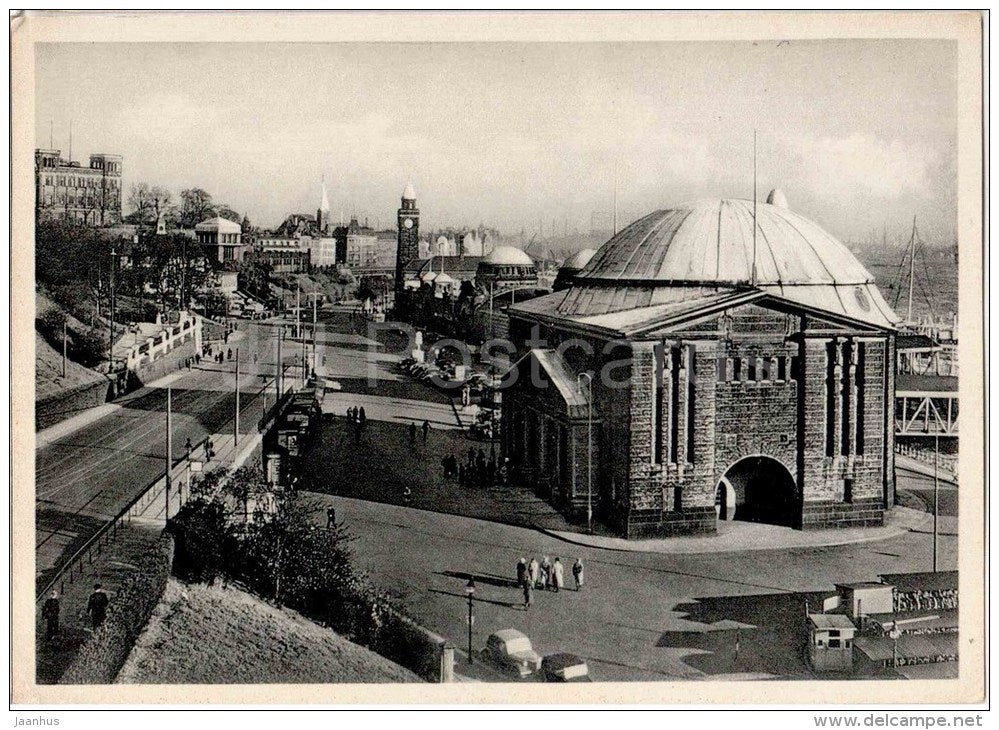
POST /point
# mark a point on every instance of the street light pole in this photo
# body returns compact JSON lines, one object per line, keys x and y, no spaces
{"x":235,"y":431}
{"x":936,"y":494}
{"x":470,"y":591}
{"x":169,"y":458}
{"x":111,"y":302}
{"x":277,"y":377}
{"x":589,"y":445}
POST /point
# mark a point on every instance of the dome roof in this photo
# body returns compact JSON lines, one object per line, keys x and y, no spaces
{"x":578,"y":260}
{"x":409,"y":193}
{"x":710,"y":242}
{"x":507,"y":256}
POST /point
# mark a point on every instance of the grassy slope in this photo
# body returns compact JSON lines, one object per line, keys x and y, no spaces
{"x":200,"y":634}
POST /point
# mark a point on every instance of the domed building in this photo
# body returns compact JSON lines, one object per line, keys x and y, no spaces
{"x":571,"y":267}
{"x":738,"y":372}
{"x":506,"y":267}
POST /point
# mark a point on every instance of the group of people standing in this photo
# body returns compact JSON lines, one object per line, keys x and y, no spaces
{"x":477,"y":470}
{"x":357,"y":420}
{"x":545,"y":576}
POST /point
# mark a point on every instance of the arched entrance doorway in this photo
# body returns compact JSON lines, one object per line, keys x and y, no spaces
{"x":758,"y":489}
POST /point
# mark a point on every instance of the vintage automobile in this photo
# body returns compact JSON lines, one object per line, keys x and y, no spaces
{"x":511,"y":651}
{"x":565,"y":667}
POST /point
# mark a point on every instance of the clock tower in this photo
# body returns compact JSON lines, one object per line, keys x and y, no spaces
{"x":408,"y":249}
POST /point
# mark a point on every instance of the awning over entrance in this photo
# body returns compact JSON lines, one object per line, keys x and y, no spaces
{"x":554,"y":370}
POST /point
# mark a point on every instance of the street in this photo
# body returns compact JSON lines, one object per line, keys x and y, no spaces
{"x":629,"y":618}
{"x":85,"y":478}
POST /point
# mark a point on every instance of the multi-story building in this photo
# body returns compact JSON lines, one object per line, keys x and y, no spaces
{"x":221,"y":239}
{"x":284,"y":254}
{"x":66,"y":189}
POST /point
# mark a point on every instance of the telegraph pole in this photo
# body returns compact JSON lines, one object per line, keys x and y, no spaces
{"x":936,"y":494}
{"x":277,"y":376}
{"x":64,"y":348}
{"x":169,"y":458}
{"x":314,"y":317}
{"x":111,"y":298}
{"x":235,"y":431}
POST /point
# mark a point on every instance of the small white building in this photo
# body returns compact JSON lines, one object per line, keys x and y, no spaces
{"x":221,"y":239}
{"x":830,"y":642}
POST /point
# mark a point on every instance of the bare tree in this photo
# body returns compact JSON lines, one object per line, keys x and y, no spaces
{"x":159,"y":198}
{"x":140,"y":197}
{"x":195,"y":206}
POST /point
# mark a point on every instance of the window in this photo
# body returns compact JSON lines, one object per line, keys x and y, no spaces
{"x":781,"y":368}
{"x":691,"y":397}
{"x":830,"y":398}
{"x":736,"y":369}
{"x":846,"y":393}
{"x":833,"y":643}
{"x":751,"y":372}
{"x":674,"y":402}
{"x":658,"y":384}
{"x":859,"y":383}
{"x":848,"y":491}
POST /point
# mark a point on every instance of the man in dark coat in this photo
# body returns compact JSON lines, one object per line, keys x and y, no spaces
{"x":426,"y":430}
{"x":50,"y":612}
{"x":412,"y":432}
{"x":97,"y":606}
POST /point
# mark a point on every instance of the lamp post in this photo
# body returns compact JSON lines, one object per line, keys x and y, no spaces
{"x":470,"y":591}
{"x":589,"y":445}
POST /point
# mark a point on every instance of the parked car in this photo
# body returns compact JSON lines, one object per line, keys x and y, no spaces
{"x":565,"y":667}
{"x":511,"y":650}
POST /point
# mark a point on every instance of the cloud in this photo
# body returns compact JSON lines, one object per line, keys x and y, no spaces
{"x":863,"y":166}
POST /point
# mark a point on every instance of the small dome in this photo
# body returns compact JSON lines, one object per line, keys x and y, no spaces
{"x":777,"y":198}
{"x":508,"y":256}
{"x":578,"y":260}
{"x":444,"y":279}
{"x":409,"y":193}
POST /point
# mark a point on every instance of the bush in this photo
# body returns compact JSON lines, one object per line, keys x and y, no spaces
{"x":102,"y":656}
{"x":202,"y":542}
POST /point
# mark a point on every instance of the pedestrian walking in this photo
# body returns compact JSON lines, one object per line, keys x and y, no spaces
{"x":407,"y":495}
{"x":546,"y":573}
{"x":527,"y":588}
{"x":577,"y":573}
{"x":533,"y":569}
{"x":229,"y":356}
{"x":188,"y":447}
{"x":362,"y":419}
{"x":50,"y":612}
{"x":412,"y":433}
{"x":426,"y":430}
{"x":558,"y":575}
{"x":97,"y":606}
{"x":504,"y":472}
{"x":521,"y":572}
{"x":330,"y":518}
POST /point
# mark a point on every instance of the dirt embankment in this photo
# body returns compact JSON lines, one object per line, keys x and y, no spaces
{"x":213,"y":635}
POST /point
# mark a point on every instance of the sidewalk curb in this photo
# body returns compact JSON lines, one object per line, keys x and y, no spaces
{"x":891,"y":531}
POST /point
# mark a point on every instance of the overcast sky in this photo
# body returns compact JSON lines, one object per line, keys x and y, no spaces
{"x":856,"y":133}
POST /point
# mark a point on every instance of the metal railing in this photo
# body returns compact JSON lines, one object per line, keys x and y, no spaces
{"x":75,"y":566}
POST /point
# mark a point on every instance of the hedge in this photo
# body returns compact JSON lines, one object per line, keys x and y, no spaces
{"x":103,"y":654}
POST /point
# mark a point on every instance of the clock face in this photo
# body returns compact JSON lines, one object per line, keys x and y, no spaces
{"x":408,"y":223}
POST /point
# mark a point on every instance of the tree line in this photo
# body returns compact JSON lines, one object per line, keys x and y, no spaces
{"x":148,"y":203}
